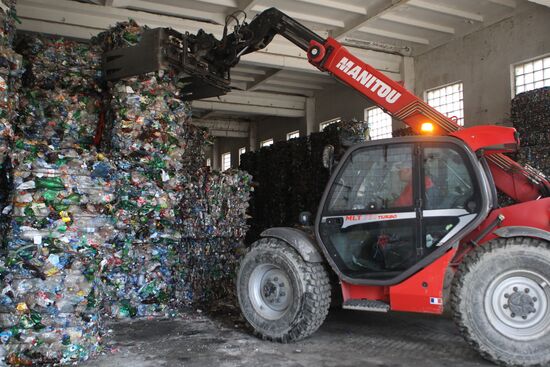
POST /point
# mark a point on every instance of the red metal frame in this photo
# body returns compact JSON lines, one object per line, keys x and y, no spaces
{"x":423,"y":292}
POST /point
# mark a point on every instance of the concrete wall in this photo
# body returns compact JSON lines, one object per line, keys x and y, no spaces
{"x":482,"y":61}
{"x":278,"y":127}
{"x":274,"y":128}
{"x":231,"y":145}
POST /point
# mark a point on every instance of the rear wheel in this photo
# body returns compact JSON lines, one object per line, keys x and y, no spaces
{"x":283,"y":297}
{"x":501,"y":301}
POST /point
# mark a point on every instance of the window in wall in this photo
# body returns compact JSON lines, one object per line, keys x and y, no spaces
{"x":379,"y":122}
{"x":241,"y":152}
{"x":324,"y":124}
{"x":226,"y":161}
{"x":449,"y":100}
{"x":266,"y":143}
{"x":208,"y":162}
{"x":532,"y":75}
{"x":293,"y":135}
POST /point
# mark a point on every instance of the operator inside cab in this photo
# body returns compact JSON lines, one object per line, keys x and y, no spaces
{"x":405,"y":175}
{"x":388,"y":248}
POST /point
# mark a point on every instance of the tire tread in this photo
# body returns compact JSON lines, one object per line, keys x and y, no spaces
{"x":316,"y":298}
{"x":459,"y":282}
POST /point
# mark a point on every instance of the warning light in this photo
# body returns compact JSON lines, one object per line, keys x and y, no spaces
{"x":427,"y":127}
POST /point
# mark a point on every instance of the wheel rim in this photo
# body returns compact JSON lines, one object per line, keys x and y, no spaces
{"x":270,"y":291}
{"x":516,"y":304}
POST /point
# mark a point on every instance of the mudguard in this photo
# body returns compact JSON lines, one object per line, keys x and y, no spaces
{"x":298,"y":240}
{"x":522,"y":231}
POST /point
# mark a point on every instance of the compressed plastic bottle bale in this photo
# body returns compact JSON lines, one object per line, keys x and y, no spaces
{"x":8,"y":20}
{"x":406,"y":131}
{"x":530,"y":115}
{"x":155,"y":149}
{"x":214,"y":224}
{"x":289,"y":176}
{"x":58,"y":63}
{"x":215,"y":205}
{"x":60,"y":222}
{"x":122,"y":34}
{"x":49,"y":318}
{"x":210,"y":272}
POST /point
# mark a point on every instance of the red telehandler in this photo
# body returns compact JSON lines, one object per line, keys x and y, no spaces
{"x":401,"y":220}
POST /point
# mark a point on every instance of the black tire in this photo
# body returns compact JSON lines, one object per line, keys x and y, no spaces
{"x":495,"y":295}
{"x":310,"y":294}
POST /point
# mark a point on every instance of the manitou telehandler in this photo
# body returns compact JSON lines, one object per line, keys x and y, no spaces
{"x":401,"y":220}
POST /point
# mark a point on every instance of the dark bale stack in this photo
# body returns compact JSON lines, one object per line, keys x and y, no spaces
{"x":290,"y":177}
{"x":531,"y":117}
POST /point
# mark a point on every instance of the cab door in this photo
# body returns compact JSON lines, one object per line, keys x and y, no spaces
{"x":393,"y":204}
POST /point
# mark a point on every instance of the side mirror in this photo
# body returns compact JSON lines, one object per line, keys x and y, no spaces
{"x":328,"y":157}
{"x":304,"y":219}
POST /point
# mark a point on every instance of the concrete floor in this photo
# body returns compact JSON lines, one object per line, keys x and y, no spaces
{"x":347,"y":338}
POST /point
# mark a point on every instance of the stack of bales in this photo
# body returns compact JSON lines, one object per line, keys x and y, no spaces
{"x":60,"y":199}
{"x":184,"y":222}
{"x":10,"y":81}
{"x":155,"y":149}
{"x":290,"y":176}
{"x":214,"y":212}
{"x":531,"y":118}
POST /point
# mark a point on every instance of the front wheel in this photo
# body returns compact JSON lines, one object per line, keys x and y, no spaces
{"x":501,"y":301}
{"x":282,"y":297}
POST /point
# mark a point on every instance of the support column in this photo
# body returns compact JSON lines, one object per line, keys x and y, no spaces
{"x":253,"y":136}
{"x":216,"y":154}
{"x":311,"y":121}
{"x":407,"y":73}
{"x":408,"y":77}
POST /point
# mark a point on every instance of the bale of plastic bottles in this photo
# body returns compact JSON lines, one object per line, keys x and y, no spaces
{"x":108,"y":209}
{"x":289,"y":176}
{"x":530,"y":115}
{"x":58,"y":209}
{"x":214,"y":213}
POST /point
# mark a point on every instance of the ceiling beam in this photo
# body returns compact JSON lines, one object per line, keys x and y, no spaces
{"x":241,"y":108}
{"x":245,"y":70}
{"x":305,"y":17}
{"x":238,"y":85}
{"x":80,"y":20}
{"x":246,"y":6}
{"x":294,"y":91}
{"x":171,"y":10}
{"x":417,"y":23}
{"x":395,"y":35}
{"x":225,"y":128}
{"x":372,"y":13}
{"x":294,"y":84}
{"x":447,"y":10}
{"x":259,"y":81}
{"x":508,"y":3}
{"x":541,"y":2}
{"x":241,"y":78}
{"x":227,"y":3}
{"x":317,"y":79}
{"x":261,"y":99}
{"x":337,"y":5}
